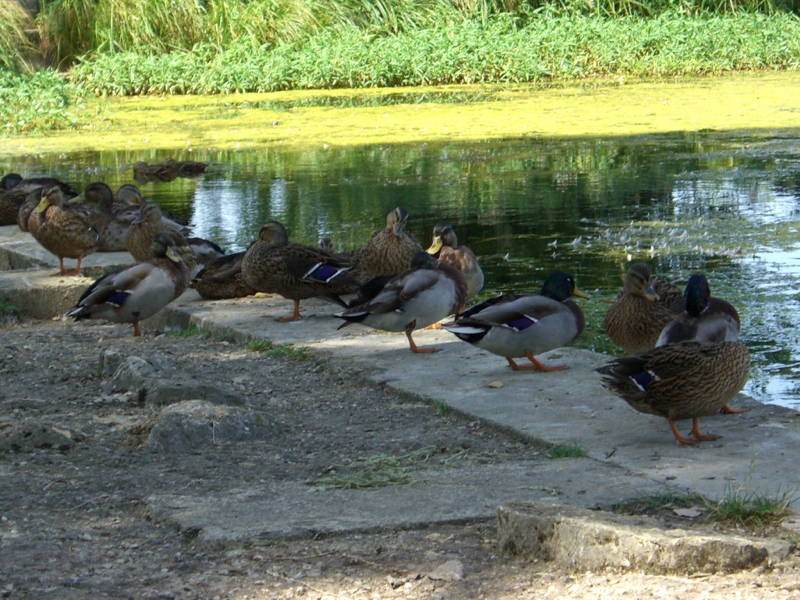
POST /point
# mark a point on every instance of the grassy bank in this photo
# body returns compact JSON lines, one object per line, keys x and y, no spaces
{"x":120,"y":47}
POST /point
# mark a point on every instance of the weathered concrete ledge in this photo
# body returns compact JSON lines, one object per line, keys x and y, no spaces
{"x":585,"y":540}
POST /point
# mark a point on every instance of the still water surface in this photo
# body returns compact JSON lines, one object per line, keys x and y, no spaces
{"x":722,"y":203}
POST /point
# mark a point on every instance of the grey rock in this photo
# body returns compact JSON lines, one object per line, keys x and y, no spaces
{"x":580,"y":539}
{"x":196,"y":424}
{"x":452,"y":570}
{"x":133,"y":374}
{"x":110,"y":361}
{"x":171,"y":392}
{"x":32,"y":435}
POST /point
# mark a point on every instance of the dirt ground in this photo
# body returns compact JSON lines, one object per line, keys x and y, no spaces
{"x":73,"y":522}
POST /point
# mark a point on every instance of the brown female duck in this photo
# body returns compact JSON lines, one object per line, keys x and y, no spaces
{"x":222,"y":278}
{"x":636,"y":318}
{"x":445,"y":248}
{"x":389,"y":251}
{"x":275,"y":265}
{"x":67,"y":230}
{"x":686,"y":380}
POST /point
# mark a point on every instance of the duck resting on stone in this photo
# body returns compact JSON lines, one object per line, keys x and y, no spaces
{"x":389,"y":251}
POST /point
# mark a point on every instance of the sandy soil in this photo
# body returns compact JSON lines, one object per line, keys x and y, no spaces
{"x":73,"y":523}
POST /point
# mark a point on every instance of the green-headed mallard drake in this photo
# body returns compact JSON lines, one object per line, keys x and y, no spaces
{"x":275,"y":265}
{"x":514,"y":326}
{"x":423,"y":295}
{"x":139,"y":291}
{"x":389,"y":251}
{"x":706,"y":319}
{"x":168,"y":170}
{"x":222,"y":278}
{"x":445,"y":248}
{"x":17,"y":197}
{"x":686,"y":380}
{"x":68,"y":230}
{"x":636,"y":318}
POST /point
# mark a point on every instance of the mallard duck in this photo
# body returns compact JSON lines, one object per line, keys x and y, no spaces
{"x":687,"y":380}
{"x":425,"y":294}
{"x":168,"y":170}
{"x":222,"y":278}
{"x":514,"y":326}
{"x":446,"y":250}
{"x":139,"y":291}
{"x":142,"y":231}
{"x":17,"y":199}
{"x":389,"y":251}
{"x":636,"y":318}
{"x":66,"y":230}
{"x":274,"y":265}
{"x":706,"y":319}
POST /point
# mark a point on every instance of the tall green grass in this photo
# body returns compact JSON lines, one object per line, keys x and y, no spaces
{"x":73,"y":28}
{"x":549,"y":48}
{"x":16,"y":44}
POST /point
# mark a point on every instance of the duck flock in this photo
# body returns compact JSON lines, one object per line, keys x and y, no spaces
{"x":686,"y":360}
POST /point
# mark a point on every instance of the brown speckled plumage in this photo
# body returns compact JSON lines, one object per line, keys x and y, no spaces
{"x":66,"y":230}
{"x":445,"y":248}
{"x":274,"y":265}
{"x":686,"y":380}
{"x":142,"y":231}
{"x":636,"y":318}
{"x":223,"y":278}
{"x":389,"y":251}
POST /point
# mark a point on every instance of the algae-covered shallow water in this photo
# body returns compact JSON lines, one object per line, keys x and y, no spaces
{"x":722,"y":203}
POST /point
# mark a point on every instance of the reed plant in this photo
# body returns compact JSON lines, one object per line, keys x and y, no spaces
{"x":16,"y":46}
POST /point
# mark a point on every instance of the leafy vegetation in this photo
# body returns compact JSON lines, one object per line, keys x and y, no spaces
{"x":10,"y":312}
{"x":39,"y":102}
{"x":566,"y":451}
{"x":297,"y":353}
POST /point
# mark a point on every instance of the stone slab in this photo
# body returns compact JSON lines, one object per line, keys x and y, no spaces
{"x":294,"y":509}
{"x":584,"y":540}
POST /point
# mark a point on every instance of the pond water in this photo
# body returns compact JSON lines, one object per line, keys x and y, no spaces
{"x":722,"y":203}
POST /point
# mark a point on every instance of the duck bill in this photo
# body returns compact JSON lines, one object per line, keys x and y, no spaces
{"x":435,"y":246}
{"x":650,"y":294}
{"x":42,"y":206}
{"x":173,"y":255}
{"x":579,"y":293}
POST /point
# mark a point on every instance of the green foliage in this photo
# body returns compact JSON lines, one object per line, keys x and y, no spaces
{"x":498,"y":51}
{"x":745,"y":508}
{"x":38,"y":102}
{"x":273,"y":350}
{"x":10,"y":312}
{"x":566,"y":451}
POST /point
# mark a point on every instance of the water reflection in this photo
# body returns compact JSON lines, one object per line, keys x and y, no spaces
{"x":725,"y":204}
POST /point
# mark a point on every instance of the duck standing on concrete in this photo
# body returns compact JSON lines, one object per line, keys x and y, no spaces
{"x":685,"y":380}
{"x":423,"y":295}
{"x":139,"y":291}
{"x":67,"y":230}
{"x":17,"y":197}
{"x":514,"y":326}
{"x":706,"y":319}
{"x":636,"y":318}
{"x":273,"y":264}
{"x":389,"y":251}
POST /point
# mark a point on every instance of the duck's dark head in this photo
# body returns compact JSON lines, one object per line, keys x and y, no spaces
{"x":274,"y":233}
{"x":637,"y":281}
{"x":697,"y":294}
{"x":560,"y":286}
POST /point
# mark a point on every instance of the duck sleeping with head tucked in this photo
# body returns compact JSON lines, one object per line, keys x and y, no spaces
{"x":425,"y":294}
{"x":514,"y":326}
{"x":139,"y":291}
